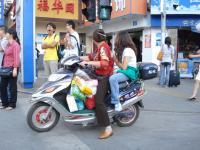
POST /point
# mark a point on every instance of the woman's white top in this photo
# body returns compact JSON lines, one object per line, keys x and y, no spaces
{"x":132,"y":61}
{"x":168,"y":53}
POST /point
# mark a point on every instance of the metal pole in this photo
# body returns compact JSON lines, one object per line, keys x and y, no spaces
{"x":163,"y":21}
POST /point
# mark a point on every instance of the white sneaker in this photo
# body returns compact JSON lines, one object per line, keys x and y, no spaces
{"x":118,"y":107}
{"x":9,"y":108}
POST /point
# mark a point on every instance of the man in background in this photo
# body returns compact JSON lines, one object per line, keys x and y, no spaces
{"x":50,"y":44}
{"x":72,"y":41}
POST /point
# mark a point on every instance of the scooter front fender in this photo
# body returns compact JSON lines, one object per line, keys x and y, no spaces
{"x":72,"y":118}
{"x":52,"y":102}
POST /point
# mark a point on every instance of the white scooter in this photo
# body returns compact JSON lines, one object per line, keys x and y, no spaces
{"x":49,"y":101}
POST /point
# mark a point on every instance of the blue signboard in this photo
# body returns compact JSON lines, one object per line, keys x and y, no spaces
{"x":176,"y":6}
{"x":1,"y":12}
{"x":176,"y":21}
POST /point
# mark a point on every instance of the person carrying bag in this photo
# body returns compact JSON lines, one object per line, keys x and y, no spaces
{"x":9,"y":72}
{"x":166,"y":62}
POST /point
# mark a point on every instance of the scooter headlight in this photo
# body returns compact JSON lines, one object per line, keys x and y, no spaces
{"x":53,"y":88}
{"x":50,"y":89}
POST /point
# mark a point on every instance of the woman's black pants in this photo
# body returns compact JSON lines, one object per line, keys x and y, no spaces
{"x":101,"y":110}
{"x":12,"y":83}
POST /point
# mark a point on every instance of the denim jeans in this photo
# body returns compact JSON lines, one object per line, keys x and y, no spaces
{"x":114,"y":86}
{"x":164,"y":73}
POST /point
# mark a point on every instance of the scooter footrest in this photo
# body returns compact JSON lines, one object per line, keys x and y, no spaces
{"x":85,"y":111}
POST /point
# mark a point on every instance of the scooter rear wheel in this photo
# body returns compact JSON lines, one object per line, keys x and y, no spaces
{"x":36,"y":117}
{"x":127,"y":116}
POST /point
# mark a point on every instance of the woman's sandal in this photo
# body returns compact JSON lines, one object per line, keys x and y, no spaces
{"x":192,"y":99}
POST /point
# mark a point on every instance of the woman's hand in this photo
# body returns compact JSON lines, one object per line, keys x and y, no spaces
{"x":83,"y":63}
{"x":14,"y":72}
{"x":84,"y":58}
{"x":193,"y":56}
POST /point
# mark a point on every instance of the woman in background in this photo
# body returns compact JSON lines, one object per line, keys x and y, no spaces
{"x":166,"y":62}
{"x":11,"y":59}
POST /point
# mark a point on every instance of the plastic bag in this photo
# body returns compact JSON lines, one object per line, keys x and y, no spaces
{"x":82,"y":84}
{"x":92,"y":83}
{"x":90,"y":103}
{"x":80,"y":104}
{"x":71,"y":103}
{"x":75,"y":91}
{"x":87,"y":87}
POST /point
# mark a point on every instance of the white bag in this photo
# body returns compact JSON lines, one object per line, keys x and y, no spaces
{"x":71,"y":103}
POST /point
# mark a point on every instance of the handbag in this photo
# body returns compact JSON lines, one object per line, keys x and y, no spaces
{"x":6,"y":71}
{"x":160,"y":55}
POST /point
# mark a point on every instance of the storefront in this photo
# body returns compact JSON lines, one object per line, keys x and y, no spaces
{"x":56,"y":11}
{"x":181,"y":24}
{"x":188,"y":43}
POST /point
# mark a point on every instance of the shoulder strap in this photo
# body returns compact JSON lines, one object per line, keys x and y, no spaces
{"x":45,"y":37}
{"x":55,"y":36}
{"x":79,"y":49}
{"x":74,"y":37}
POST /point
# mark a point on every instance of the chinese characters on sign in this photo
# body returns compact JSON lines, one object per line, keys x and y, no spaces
{"x":70,"y":8}
{"x":57,"y":6}
{"x":120,"y":5}
{"x":43,"y":5}
{"x":58,"y":9}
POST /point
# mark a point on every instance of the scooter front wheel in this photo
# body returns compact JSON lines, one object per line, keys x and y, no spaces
{"x":37,"y":119}
{"x":127,"y":116}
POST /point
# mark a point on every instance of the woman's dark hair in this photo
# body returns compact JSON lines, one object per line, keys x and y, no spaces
{"x":51,"y":24}
{"x":123,"y":40}
{"x":14,"y":34}
{"x":99,"y":35}
{"x":71,"y":22}
{"x":168,"y":41}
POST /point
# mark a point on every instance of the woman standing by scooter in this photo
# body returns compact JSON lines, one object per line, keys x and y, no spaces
{"x":102,"y":62}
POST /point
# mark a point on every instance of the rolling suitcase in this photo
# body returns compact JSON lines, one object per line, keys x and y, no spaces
{"x":174,"y":78}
